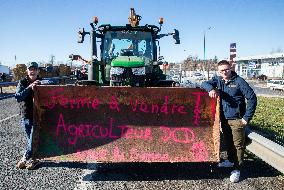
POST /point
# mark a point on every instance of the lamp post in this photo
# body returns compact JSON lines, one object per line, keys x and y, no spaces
{"x":204,"y":40}
{"x":204,"y":48}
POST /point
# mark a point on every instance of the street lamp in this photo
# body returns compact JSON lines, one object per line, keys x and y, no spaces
{"x":204,"y":41}
{"x":204,"y":47}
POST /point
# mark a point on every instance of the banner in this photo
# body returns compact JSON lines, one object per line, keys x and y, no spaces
{"x":125,"y":124}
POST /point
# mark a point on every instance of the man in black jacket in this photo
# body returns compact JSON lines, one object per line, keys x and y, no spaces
{"x":24,"y":95}
{"x":238,"y":103}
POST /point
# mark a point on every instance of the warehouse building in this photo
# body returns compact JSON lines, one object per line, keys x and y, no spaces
{"x":271,"y":65}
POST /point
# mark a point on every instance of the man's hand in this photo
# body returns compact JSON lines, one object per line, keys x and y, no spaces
{"x":244,"y":122}
{"x":34,"y":84}
{"x":213,"y":93}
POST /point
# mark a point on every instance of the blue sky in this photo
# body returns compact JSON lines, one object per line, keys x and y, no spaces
{"x":34,"y":29}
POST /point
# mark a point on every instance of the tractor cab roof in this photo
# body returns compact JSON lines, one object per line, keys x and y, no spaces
{"x":147,"y":28}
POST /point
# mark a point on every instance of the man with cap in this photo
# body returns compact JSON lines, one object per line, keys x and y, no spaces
{"x":24,"y":96}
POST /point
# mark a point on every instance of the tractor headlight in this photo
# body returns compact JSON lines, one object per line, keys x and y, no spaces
{"x":116,"y":70}
{"x":138,"y":71}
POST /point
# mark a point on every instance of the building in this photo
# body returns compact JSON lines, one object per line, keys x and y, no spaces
{"x":271,"y":65}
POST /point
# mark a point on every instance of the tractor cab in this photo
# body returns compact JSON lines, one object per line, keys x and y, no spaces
{"x":129,"y":54}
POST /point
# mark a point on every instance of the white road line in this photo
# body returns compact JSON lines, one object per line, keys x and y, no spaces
{"x":8,"y":118}
{"x":85,"y":182}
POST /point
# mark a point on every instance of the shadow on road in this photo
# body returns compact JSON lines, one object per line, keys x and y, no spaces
{"x":176,"y":171}
{"x":253,"y":168}
{"x":155,"y":172}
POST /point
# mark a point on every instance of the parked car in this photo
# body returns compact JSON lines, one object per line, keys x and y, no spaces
{"x":272,"y":83}
{"x":198,"y":76}
{"x":279,"y":86}
{"x":262,"y":77}
{"x":190,"y":84}
{"x":175,"y":78}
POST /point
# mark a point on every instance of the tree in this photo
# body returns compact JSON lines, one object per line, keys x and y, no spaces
{"x":215,"y":60}
{"x":52,"y":59}
{"x":279,"y":50}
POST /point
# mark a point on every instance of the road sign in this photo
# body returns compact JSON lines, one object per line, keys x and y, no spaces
{"x":251,"y":65}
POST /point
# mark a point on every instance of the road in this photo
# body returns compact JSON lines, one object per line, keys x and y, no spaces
{"x":68,"y":175}
{"x":261,"y":90}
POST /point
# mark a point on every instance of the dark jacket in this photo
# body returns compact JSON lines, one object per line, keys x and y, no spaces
{"x":233,"y":96}
{"x":24,"y":96}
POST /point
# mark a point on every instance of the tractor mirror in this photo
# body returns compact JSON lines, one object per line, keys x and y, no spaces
{"x":81,"y":35}
{"x":75,"y":57}
{"x":176,"y":36}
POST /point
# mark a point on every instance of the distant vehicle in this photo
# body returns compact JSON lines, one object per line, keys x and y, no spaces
{"x":198,"y":76}
{"x":5,"y":77}
{"x":190,"y":84}
{"x":262,"y":77}
{"x":273,"y":83}
{"x":175,"y":78}
{"x":279,"y":86}
{"x":4,"y":69}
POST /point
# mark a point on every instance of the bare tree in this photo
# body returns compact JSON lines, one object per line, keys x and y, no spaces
{"x":279,"y":50}
{"x":52,"y":59}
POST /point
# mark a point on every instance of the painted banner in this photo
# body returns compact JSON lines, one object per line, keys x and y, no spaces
{"x":125,"y":124}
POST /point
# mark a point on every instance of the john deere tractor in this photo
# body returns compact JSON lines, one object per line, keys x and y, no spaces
{"x":129,"y":55}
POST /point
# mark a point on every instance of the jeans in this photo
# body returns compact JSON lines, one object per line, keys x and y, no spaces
{"x":27,"y":127}
{"x":234,"y":139}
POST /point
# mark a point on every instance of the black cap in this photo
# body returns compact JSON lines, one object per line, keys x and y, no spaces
{"x":32,"y":64}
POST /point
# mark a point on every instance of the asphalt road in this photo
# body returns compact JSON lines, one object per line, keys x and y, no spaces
{"x":261,"y":90}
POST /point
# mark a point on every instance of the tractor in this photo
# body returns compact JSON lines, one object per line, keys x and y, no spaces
{"x":127,"y":110}
{"x":129,"y":55}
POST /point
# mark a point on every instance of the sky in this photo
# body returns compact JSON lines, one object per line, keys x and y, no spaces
{"x":33,"y":30}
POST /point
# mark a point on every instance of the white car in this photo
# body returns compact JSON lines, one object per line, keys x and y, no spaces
{"x":190,"y":84}
{"x":279,"y":86}
{"x":198,"y":76}
{"x":175,"y":78}
{"x":272,"y":83}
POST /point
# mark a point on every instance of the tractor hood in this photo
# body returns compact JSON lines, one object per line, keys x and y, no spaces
{"x":128,"y":61}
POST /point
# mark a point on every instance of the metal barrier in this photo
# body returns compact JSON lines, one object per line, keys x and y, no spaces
{"x":267,"y":150}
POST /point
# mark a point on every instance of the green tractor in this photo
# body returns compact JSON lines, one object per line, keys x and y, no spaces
{"x":129,"y":55}
{"x":116,"y":116}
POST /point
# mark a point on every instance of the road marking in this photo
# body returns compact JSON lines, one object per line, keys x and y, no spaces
{"x":86,"y":179}
{"x":8,"y":118}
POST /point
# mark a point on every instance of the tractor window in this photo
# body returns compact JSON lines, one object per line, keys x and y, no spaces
{"x":128,"y":43}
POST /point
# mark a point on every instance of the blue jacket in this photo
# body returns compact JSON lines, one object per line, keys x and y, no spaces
{"x":233,"y":96}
